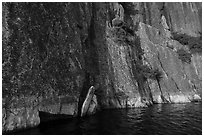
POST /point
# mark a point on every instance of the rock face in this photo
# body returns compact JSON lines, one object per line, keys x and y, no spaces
{"x":44,"y":56}
{"x":54,"y":52}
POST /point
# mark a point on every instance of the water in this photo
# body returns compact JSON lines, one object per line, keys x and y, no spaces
{"x":166,"y":119}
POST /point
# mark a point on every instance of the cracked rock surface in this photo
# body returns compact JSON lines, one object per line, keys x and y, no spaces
{"x":52,"y":53}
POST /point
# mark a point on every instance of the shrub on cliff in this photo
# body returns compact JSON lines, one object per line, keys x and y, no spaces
{"x":122,"y":35}
{"x":129,"y":8}
{"x":156,"y":74}
{"x":194,"y":43}
{"x":118,"y":34}
{"x":149,"y":73}
{"x":121,"y":95}
{"x":184,"y":56}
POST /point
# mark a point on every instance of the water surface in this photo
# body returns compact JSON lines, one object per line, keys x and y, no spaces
{"x":166,"y":119}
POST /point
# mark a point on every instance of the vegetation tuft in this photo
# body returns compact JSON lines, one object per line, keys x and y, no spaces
{"x":129,"y":8}
{"x":194,"y":43}
{"x":121,"y":95}
{"x":149,"y":73}
{"x":184,"y":56}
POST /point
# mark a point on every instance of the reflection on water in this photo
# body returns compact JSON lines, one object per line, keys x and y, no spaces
{"x":157,"y":119}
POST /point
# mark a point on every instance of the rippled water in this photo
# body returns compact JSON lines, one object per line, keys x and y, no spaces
{"x":158,"y":119}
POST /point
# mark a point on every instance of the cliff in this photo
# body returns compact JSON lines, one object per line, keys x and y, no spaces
{"x":134,"y":54}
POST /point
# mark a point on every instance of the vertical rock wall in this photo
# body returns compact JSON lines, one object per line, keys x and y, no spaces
{"x":181,"y":81}
{"x":152,"y":25}
{"x":43,"y":60}
{"x":54,"y":52}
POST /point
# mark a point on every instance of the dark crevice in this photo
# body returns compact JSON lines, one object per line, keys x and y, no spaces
{"x":91,"y":61}
{"x":90,"y":49}
{"x":162,"y":95}
{"x":141,"y":89}
{"x":118,"y":100}
{"x":164,"y":12}
{"x":169,"y":20}
{"x":159,"y":87}
{"x":148,"y":96}
{"x":60,"y":109}
{"x":149,"y":14}
{"x":149,"y":92}
{"x":175,"y":84}
{"x":144,"y":13}
{"x":161,"y":64}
